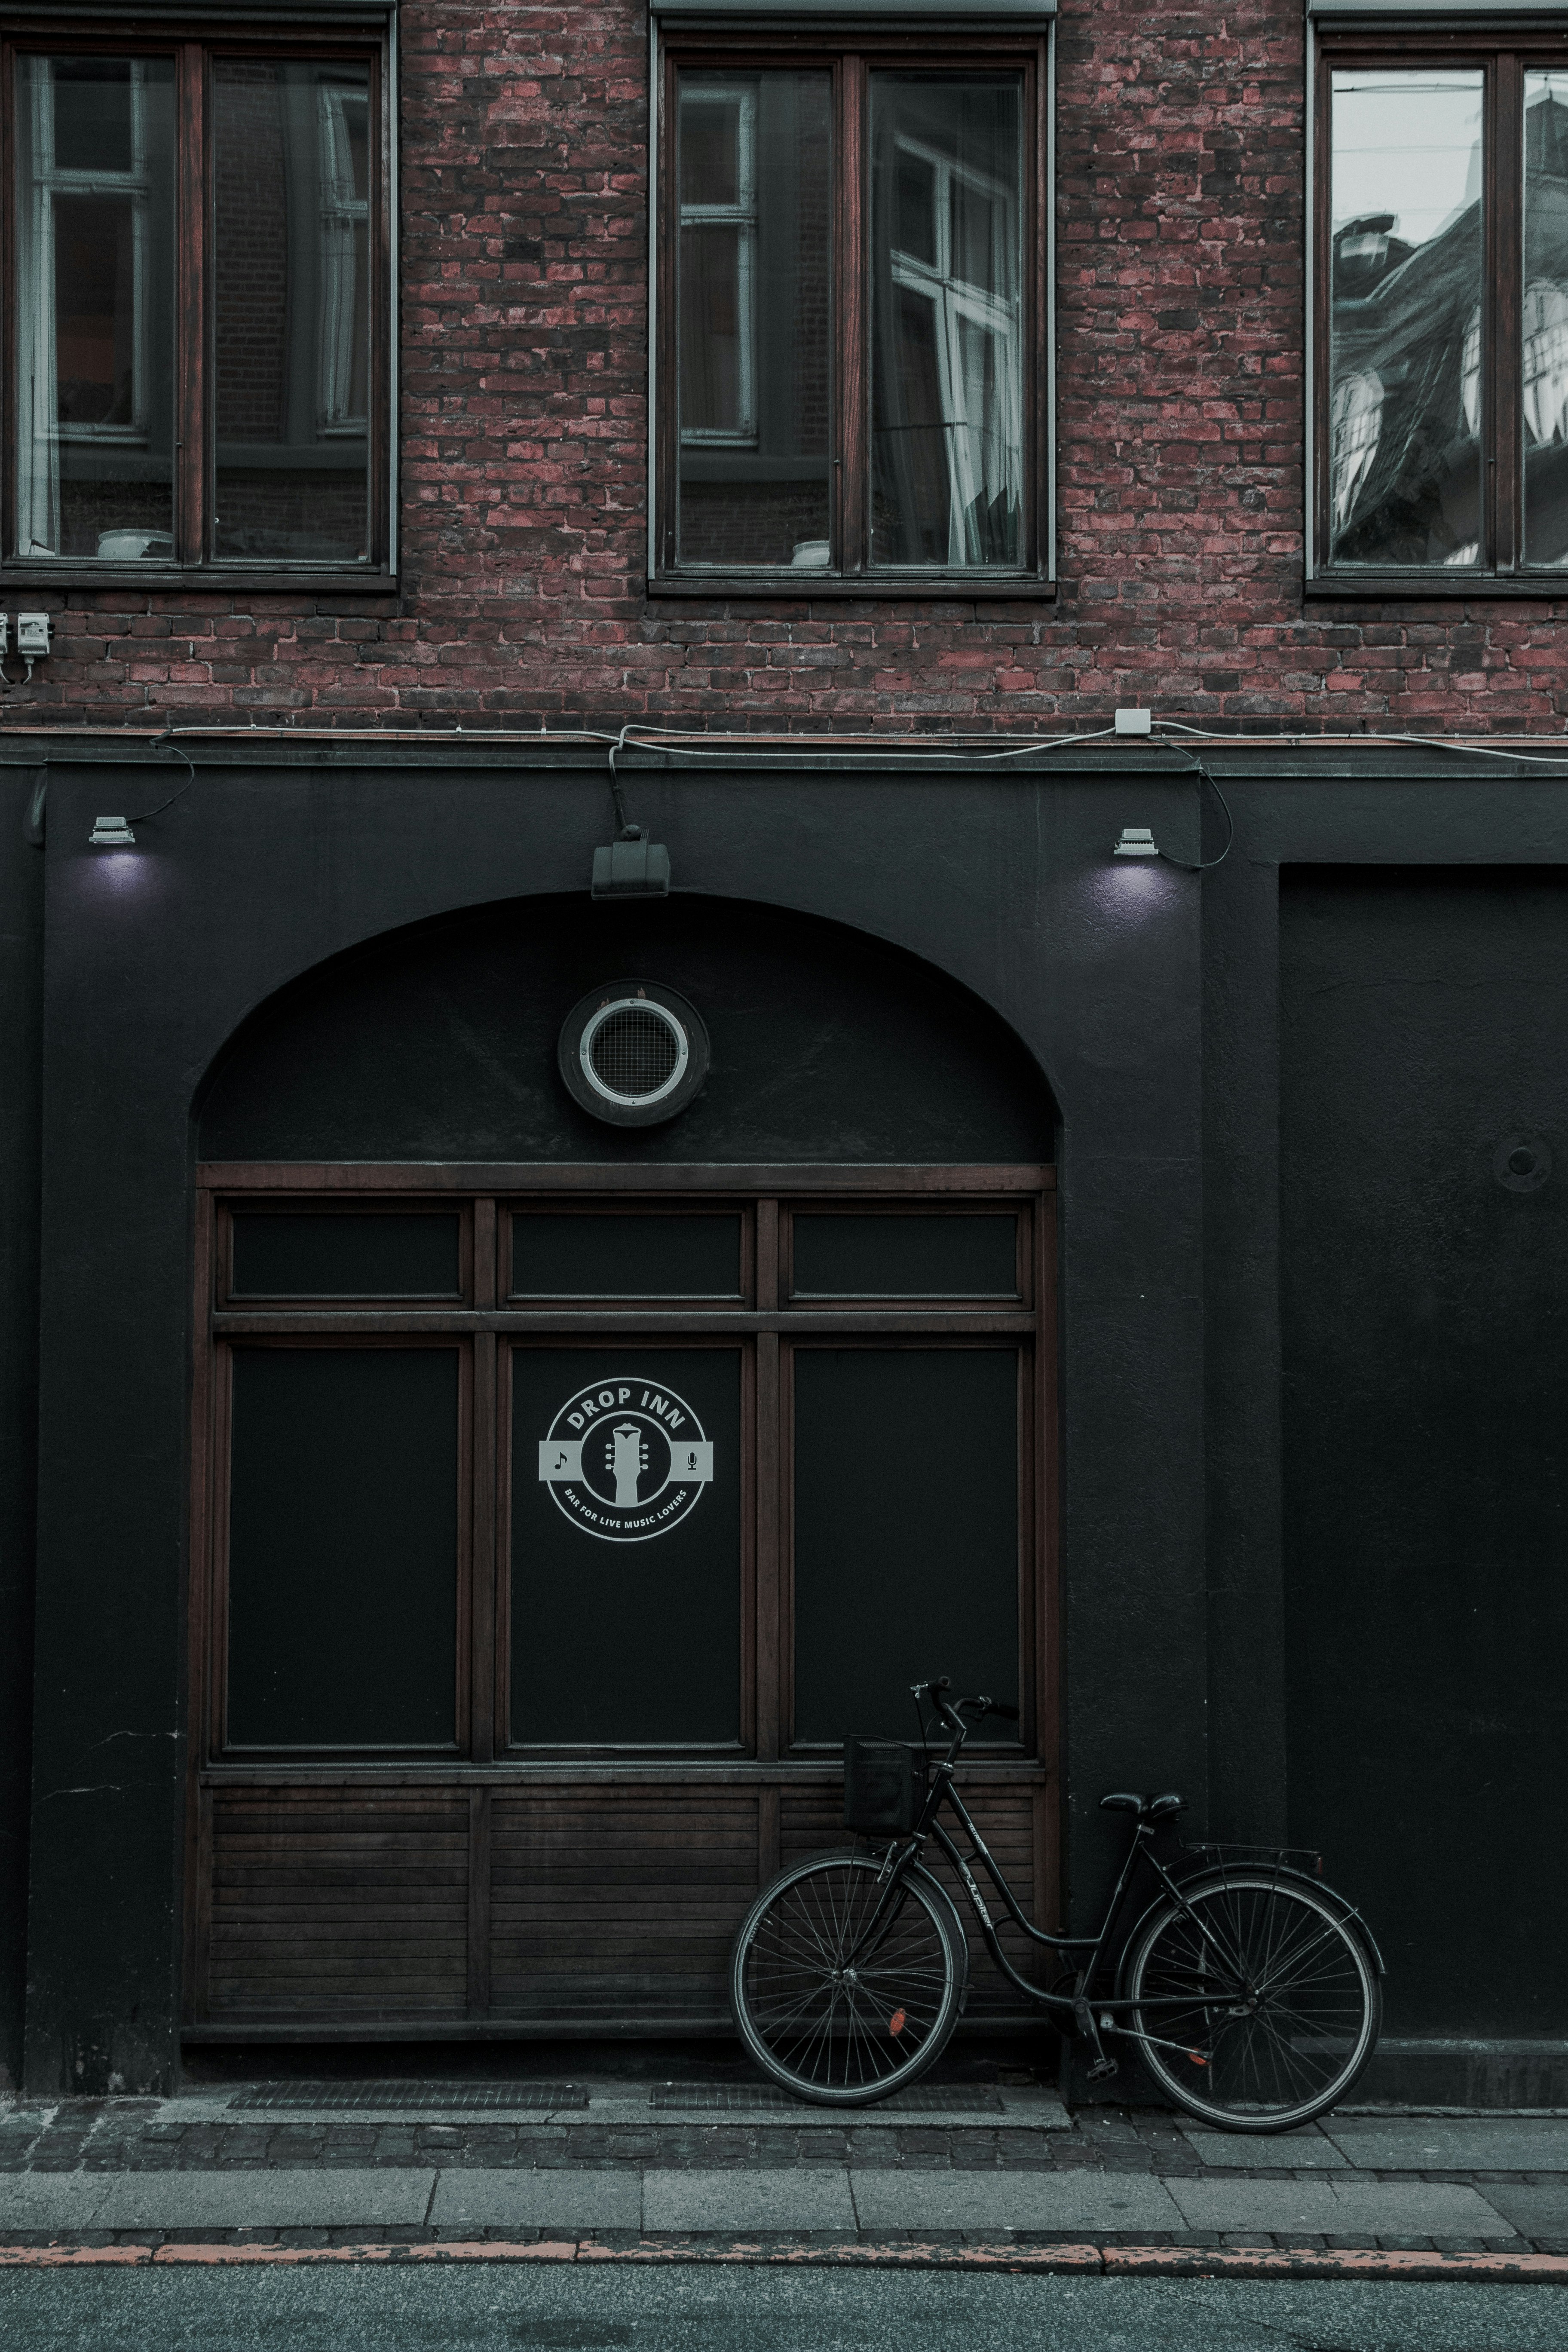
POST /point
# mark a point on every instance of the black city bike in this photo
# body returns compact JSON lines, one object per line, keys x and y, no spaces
{"x":1249,"y":1988}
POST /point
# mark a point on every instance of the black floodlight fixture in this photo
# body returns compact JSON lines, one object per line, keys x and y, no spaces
{"x":631,"y":867}
{"x":111,"y":833}
{"x":1137,"y":841}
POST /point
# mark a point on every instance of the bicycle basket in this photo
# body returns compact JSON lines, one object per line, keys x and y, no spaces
{"x":883,"y":1786}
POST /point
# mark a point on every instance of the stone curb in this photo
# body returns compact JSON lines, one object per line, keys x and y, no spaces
{"x":1107,"y":2262}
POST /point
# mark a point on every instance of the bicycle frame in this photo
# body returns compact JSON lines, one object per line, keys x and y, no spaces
{"x":1072,"y":2007}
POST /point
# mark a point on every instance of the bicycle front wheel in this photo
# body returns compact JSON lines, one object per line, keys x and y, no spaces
{"x":1258,"y":2004}
{"x":842,"y":1990}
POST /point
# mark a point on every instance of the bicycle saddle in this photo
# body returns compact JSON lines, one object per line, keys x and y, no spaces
{"x":1148,"y":1809}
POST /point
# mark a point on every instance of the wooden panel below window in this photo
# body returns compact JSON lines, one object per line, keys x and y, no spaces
{"x":614,"y":1904}
{"x":338,"y":1906}
{"x":519,"y":1909}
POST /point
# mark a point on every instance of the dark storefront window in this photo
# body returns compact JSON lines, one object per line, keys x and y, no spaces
{"x":627,"y":1546}
{"x":1443,"y":310}
{"x":850,"y":315}
{"x":711,"y":1478}
{"x":906,"y":1517}
{"x":344,"y":1542}
{"x":199,"y":292}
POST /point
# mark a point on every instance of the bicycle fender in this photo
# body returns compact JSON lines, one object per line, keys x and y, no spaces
{"x":1207,"y":1881}
{"x":1341,"y":1904}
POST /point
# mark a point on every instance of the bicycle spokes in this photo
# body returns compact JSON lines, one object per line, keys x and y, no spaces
{"x":845,"y":1982}
{"x":1269,"y":1992}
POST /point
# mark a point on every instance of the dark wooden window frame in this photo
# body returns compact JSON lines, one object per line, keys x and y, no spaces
{"x":764,"y":1324}
{"x":848,"y":58}
{"x":192,"y":43}
{"x":1503,"y":56}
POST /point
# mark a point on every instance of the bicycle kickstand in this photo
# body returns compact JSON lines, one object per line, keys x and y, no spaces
{"x":1103,"y":2067}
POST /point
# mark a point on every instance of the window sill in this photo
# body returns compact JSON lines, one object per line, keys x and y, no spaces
{"x":78,"y":579}
{"x":1405,"y":588}
{"x":789,"y":587}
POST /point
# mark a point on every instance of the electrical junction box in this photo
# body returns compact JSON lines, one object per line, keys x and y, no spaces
{"x":33,"y":633}
{"x":1134,"y":722}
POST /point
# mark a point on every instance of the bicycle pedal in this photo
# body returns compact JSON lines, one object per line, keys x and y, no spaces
{"x":1102,"y":2070}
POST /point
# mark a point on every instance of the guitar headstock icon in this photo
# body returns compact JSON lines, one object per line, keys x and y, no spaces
{"x":626,"y":1457}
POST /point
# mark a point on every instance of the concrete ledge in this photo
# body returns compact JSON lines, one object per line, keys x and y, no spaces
{"x":1430,"y":2072}
{"x":1466,"y":2074}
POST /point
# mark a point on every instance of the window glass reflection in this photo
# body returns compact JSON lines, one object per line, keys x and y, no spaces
{"x":1544,"y":324}
{"x":291,"y":167}
{"x":754,"y":324}
{"x":1404,"y":404}
{"x":947,"y":350}
{"x":95,"y":307}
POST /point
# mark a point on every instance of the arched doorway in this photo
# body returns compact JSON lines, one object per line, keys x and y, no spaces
{"x":566,"y":1490}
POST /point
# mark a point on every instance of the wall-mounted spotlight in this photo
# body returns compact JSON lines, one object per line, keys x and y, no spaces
{"x":1136,"y":840}
{"x":115,"y":831}
{"x":631,"y":867}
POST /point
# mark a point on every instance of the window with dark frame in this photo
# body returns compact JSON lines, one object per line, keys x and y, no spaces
{"x":1442,"y":308}
{"x":198,"y":306}
{"x":851,"y":308}
{"x":421,"y":1413}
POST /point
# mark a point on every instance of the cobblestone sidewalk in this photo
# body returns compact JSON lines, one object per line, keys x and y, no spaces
{"x":624,"y":2167}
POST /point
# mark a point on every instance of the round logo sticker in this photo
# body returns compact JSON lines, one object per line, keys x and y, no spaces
{"x":626,"y":1461}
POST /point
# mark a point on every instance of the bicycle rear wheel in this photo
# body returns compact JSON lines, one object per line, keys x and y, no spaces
{"x":1259,"y":2002}
{"x":837,"y":1999}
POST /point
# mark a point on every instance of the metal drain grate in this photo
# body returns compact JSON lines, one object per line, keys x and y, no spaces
{"x":427,"y":2098}
{"x":924,"y":2099}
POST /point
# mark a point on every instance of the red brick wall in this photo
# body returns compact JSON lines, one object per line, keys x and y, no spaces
{"x":524,"y":466}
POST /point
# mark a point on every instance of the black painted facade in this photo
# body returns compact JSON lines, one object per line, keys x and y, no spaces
{"x":1313,"y":1326}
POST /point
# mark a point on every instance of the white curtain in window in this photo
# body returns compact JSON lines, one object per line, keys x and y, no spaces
{"x":345,"y":214}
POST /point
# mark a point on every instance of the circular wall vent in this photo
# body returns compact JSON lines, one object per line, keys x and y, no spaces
{"x":633,"y":1052}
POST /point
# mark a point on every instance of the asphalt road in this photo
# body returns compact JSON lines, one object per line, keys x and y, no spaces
{"x":506,"y":2309}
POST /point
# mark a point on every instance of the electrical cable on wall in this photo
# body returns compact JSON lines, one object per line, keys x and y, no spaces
{"x":630,"y":843}
{"x":165,"y":742}
{"x":1206,"y":865}
{"x":693,"y":743}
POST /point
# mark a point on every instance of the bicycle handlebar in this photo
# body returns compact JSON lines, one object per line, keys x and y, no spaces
{"x":954,"y":1708}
